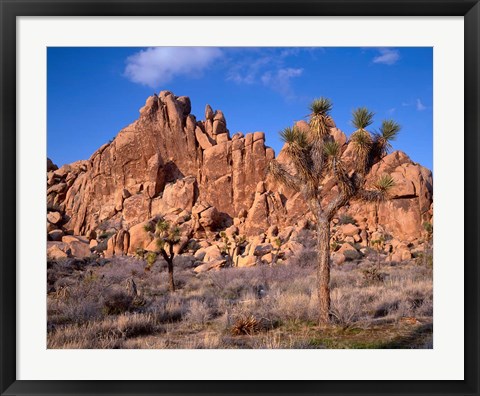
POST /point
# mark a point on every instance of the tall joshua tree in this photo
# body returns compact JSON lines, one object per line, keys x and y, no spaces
{"x":324,"y":180}
{"x":166,"y":237}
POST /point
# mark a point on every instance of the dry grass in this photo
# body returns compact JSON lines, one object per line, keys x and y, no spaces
{"x":90,"y":306}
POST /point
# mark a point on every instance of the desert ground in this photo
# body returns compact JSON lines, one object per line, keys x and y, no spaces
{"x":118,"y":303}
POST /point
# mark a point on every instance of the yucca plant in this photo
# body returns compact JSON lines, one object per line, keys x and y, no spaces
{"x":297,"y":148}
{"x":380,"y":191}
{"x":245,"y":325}
{"x":295,"y":138}
{"x":331,"y":149}
{"x":384,"y":184}
{"x":319,"y":117}
{"x":362,"y":118}
{"x":382,"y":139}
{"x":361,"y":139}
{"x":317,"y":157}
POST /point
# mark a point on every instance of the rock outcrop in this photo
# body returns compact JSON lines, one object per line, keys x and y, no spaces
{"x":165,"y":160}
{"x":193,"y":173}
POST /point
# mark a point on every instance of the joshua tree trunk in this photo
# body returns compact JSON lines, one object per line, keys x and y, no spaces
{"x":170,"y":267}
{"x":169,"y":259}
{"x":170,"y":274}
{"x":323,"y":274}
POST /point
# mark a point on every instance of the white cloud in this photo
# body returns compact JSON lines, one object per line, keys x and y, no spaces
{"x":391,"y":111}
{"x":247,"y":71}
{"x":279,"y":80}
{"x":387,"y":56}
{"x":294,"y":51}
{"x":420,"y":105}
{"x":159,"y":65}
{"x":268,"y":67}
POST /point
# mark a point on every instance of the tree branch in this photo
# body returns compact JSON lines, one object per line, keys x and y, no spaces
{"x":318,"y":158}
{"x":170,"y":249}
{"x":337,"y":203}
{"x":339,"y":173}
{"x":164,"y":254}
{"x":303,"y":164}
{"x":280,"y":174}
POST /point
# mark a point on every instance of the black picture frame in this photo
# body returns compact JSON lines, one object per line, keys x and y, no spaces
{"x":10,"y":9}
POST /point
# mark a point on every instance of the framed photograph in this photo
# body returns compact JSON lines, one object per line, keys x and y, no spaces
{"x":239,"y":198}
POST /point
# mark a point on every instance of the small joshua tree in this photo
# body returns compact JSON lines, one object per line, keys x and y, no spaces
{"x":277,"y":245}
{"x":372,"y":274}
{"x":166,"y":237}
{"x":324,"y":180}
{"x":230,"y":246}
{"x":379,"y":245}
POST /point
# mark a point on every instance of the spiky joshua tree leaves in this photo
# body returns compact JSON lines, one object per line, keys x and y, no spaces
{"x":317,"y":158}
{"x":166,"y":236}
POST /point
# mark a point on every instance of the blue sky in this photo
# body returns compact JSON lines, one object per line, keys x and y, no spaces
{"x":92,"y":93}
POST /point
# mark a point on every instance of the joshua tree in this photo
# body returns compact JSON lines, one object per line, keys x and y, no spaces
{"x":166,"y":236}
{"x":230,"y":247}
{"x":277,"y":245}
{"x":378,"y":244}
{"x":324,"y":179}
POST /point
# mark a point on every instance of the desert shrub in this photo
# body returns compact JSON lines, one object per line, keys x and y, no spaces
{"x":57,"y":269}
{"x":183,"y":261}
{"x":389,"y":307}
{"x":234,"y":290}
{"x":307,"y":258}
{"x":208,"y":340}
{"x":106,"y":235}
{"x":119,"y":269}
{"x":306,"y":238}
{"x":346,"y":219}
{"x":168,"y":308}
{"x":140,"y":253}
{"x":424,"y":258}
{"x":369,"y":251}
{"x":64,"y":312}
{"x":350,"y":255}
{"x":372,"y":274}
{"x":426,"y":308}
{"x":222,"y":322}
{"x":294,"y":306}
{"x":135,"y":325}
{"x":343,"y":277}
{"x":428,"y":227}
{"x":345,"y":308}
{"x":198,"y":313}
{"x":101,"y":246}
{"x":116,"y":303}
{"x":110,"y":332}
{"x":227,"y":285}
